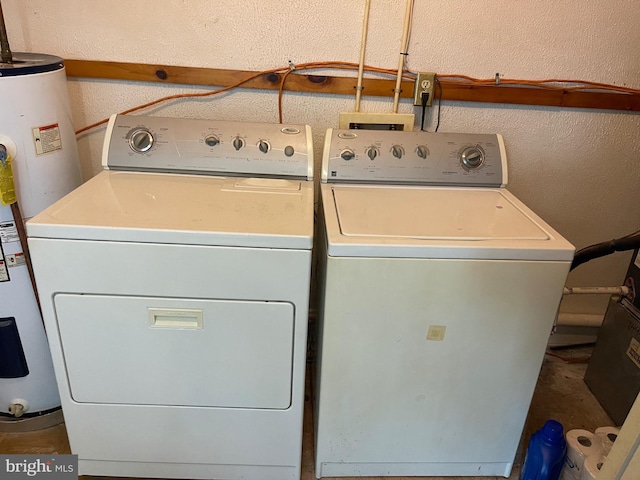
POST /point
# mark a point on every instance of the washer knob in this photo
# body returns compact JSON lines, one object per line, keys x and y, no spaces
{"x":289,"y":151}
{"x":238,"y":143}
{"x":422,"y":151}
{"x":141,"y":140}
{"x":397,"y":151}
{"x":372,"y":153}
{"x":263,"y":146}
{"x":347,"y":154}
{"x":472,"y":157}
{"x":212,"y":140}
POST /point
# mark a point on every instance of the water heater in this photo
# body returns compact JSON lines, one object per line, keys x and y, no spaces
{"x":37,"y":140}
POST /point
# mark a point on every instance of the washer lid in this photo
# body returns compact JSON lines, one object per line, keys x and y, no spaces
{"x":436,"y":222}
{"x":183,"y":209}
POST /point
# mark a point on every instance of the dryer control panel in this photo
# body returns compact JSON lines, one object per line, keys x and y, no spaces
{"x":421,"y":158}
{"x":187,"y":145}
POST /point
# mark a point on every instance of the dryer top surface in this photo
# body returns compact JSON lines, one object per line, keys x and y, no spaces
{"x":183,"y":209}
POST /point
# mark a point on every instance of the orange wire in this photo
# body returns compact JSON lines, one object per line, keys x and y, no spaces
{"x":181,"y":95}
{"x":286,"y":70}
{"x":573,"y":84}
{"x":336,"y":65}
{"x":407,"y":75}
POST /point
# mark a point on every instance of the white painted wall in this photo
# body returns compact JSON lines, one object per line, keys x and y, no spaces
{"x":579,"y":169}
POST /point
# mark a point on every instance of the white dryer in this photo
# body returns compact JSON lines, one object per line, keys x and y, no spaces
{"x":174,"y":286}
{"x":438,"y":291}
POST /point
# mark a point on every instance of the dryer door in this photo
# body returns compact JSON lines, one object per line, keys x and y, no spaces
{"x":164,"y":351}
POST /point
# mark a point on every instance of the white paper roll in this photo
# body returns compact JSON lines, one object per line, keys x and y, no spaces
{"x":591,"y":467}
{"x":606,"y":436}
{"x":580,"y":445}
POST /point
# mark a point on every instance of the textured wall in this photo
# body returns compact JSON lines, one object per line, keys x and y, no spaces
{"x":579,"y":169}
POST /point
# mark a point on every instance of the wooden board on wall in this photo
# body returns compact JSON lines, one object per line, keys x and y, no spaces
{"x":451,"y":89}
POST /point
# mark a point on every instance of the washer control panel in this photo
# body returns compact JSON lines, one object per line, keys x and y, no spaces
{"x":185,"y":145}
{"x":422,"y":158}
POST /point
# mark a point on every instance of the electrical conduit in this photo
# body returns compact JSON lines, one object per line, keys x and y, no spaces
{"x":365,"y":29}
{"x":403,"y":52}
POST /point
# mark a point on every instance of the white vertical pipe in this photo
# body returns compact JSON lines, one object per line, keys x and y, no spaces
{"x":403,"y":47}
{"x":363,"y":43}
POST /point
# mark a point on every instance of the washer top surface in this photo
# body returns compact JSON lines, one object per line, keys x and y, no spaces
{"x":436,"y":222}
{"x":183,"y":209}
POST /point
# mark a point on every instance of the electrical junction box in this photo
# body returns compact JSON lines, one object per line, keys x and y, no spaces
{"x":425,"y":83}
{"x":377,"y":121}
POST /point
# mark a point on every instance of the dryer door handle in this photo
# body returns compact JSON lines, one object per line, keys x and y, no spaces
{"x":177,"y":319}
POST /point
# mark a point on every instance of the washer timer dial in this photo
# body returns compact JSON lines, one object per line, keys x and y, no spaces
{"x":472,"y":157}
{"x":141,"y":140}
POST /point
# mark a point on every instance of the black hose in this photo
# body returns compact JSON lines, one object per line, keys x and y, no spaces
{"x":630,"y":242}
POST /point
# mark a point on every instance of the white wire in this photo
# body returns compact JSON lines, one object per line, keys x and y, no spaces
{"x":363,"y":43}
{"x":403,"y":50}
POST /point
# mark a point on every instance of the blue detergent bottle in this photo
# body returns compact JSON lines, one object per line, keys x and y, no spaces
{"x":546,"y":453}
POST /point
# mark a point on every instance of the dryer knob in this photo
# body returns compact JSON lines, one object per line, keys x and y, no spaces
{"x":212,"y":140}
{"x":397,"y":151}
{"x":263,"y":146}
{"x":347,"y":154}
{"x":141,"y":140}
{"x":238,"y":143}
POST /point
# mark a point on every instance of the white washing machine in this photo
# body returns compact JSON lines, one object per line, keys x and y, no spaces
{"x":174,"y":286}
{"x":438,"y":290}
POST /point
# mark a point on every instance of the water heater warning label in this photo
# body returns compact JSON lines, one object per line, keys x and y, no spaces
{"x":8,"y":232}
{"x":47,"y":139}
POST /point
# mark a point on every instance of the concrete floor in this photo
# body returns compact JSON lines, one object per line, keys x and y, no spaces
{"x":560,"y":394}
